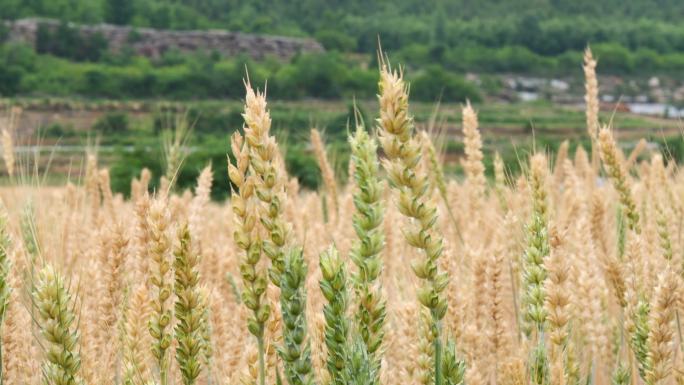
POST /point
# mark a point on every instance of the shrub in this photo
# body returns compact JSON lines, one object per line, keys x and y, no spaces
{"x":10,"y":80}
{"x":67,"y":42}
{"x":112,"y":123}
{"x":435,"y":83}
{"x":336,"y":41}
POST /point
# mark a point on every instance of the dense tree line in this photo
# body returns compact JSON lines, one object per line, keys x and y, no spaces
{"x":433,"y":72}
{"x":201,"y":76}
{"x":547,"y":27}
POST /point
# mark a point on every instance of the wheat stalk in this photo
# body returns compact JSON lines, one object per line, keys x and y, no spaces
{"x":5,"y":287}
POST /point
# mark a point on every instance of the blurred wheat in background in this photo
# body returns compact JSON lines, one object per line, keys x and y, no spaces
{"x":568,"y":273}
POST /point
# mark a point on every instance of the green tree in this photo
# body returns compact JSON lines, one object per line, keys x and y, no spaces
{"x":112,"y":123}
{"x":119,"y":12}
{"x":10,"y":80}
{"x":436,"y":83}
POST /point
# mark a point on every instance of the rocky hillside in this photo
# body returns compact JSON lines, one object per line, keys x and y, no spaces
{"x":154,"y":42}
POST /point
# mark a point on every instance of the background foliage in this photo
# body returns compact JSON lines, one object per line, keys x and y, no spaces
{"x":489,"y":36}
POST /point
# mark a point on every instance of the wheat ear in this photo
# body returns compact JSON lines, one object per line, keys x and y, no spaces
{"x":618,"y":175}
{"x":334,"y":289}
{"x":160,"y":279}
{"x":366,"y":249}
{"x":537,"y":249}
{"x":326,"y":170}
{"x":295,"y":350}
{"x":661,"y":334}
{"x":396,"y":132}
{"x":246,"y":237}
{"x":136,"y":337}
{"x":188,"y":308}
{"x":56,"y":318}
{"x":269,"y":187}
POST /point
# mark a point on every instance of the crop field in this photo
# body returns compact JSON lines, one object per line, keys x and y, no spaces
{"x":564,"y":269}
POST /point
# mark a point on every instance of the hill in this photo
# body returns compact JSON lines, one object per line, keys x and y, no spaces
{"x":438,"y":41}
{"x":543,"y":26}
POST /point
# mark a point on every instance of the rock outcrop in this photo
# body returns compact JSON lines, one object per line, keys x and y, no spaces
{"x":153,"y":42}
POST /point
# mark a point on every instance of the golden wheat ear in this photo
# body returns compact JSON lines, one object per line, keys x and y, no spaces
{"x":160,"y":280}
{"x":396,"y":133}
{"x":618,"y":175}
{"x":329,"y":180}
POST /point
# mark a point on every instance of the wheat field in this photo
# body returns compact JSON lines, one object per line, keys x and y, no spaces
{"x":570,"y":273}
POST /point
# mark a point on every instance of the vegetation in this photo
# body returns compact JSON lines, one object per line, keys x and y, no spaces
{"x":546,"y":28}
{"x":439,"y":41}
{"x":547,"y":277}
{"x":176,"y":76}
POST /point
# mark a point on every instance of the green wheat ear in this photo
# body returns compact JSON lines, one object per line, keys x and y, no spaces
{"x":359,"y":369}
{"x":639,"y":340}
{"x":453,"y":369}
{"x":334,"y":288}
{"x":295,"y":351}
{"x":55,"y":318}
{"x":188,"y":308}
{"x":536,"y":251}
{"x":621,"y":376}
{"x":366,"y":249}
